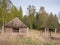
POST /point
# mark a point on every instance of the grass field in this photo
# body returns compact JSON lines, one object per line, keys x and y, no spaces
{"x":33,"y":38}
{"x":23,"y":41}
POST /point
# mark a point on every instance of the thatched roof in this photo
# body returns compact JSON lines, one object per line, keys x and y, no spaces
{"x":15,"y":23}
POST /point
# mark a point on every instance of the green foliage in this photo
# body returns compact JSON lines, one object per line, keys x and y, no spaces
{"x":20,"y":13}
{"x":59,"y":27}
{"x":25,"y":20}
{"x":52,"y":21}
{"x":32,"y":19}
{"x":6,"y":15}
{"x":41,"y":19}
{"x":3,"y":11}
{"x":56,"y":22}
{"x":36,"y":22}
{"x":31,"y":14}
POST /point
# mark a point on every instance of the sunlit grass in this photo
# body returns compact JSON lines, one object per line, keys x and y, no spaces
{"x":25,"y":40}
{"x":28,"y":41}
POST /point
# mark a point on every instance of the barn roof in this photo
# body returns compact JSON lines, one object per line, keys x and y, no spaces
{"x":15,"y":23}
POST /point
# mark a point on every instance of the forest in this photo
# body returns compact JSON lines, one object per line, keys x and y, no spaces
{"x":33,"y":19}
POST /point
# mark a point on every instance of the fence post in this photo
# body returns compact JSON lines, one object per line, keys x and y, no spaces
{"x":55,"y":30}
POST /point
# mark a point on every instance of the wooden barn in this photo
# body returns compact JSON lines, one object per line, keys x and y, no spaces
{"x":16,"y":26}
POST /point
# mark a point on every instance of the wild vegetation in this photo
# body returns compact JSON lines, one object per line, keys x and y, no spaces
{"x":31,"y":39}
{"x":33,"y":20}
{"x":23,"y":41}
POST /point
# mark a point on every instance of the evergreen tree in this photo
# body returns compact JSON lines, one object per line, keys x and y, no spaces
{"x":31,"y":14}
{"x":12,"y":14}
{"x":20,"y":13}
{"x":37,"y":24}
{"x":50,"y":21}
{"x":55,"y":21}
{"x":43,"y":16}
{"x":25,"y":20}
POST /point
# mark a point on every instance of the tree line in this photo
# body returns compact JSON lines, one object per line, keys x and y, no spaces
{"x":33,"y":19}
{"x":41,"y":19}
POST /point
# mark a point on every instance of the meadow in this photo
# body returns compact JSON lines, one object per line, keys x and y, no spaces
{"x":33,"y":38}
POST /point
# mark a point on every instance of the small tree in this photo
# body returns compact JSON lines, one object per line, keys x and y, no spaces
{"x":31,"y":15}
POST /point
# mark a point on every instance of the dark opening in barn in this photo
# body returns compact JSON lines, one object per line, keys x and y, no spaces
{"x":15,"y":29}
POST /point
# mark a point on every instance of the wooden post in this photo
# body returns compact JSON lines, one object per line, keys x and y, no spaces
{"x":50,"y":33}
{"x":55,"y":30}
{"x":2,"y":29}
{"x":27,"y":31}
{"x":45,"y":30}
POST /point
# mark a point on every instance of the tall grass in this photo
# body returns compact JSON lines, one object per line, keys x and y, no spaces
{"x":28,"y":41}
{"x":23,"y":41}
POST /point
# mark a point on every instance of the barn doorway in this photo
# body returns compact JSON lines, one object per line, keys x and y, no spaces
{"x":16,"y":30}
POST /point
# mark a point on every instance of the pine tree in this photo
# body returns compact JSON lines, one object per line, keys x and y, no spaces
{"x":31,"y":15}
{"x":20,"y":13}
{"x":50,"y":21}
{"x":43,"y":16}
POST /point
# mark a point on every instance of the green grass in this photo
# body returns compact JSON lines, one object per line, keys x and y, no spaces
{"x":28,"y":41}
{"x":48,"y":43}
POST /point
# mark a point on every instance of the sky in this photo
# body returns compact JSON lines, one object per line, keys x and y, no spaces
{"x":50,"y":5}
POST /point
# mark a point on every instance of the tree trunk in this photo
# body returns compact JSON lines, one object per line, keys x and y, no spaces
{"x":50,"y":33}
{"x":2,"y":29}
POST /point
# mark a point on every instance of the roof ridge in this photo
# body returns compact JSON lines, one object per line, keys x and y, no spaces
{"x":16,"y":22}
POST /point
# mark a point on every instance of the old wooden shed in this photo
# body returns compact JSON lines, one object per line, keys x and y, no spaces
{"x":16,"y":26}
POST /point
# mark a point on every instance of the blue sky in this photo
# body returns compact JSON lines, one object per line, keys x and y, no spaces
{"x":50,"y":5}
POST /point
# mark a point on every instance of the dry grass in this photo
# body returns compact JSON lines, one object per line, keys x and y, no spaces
{"x":33,"y":37}
{"x":22,"y":41}
{"x":44,"y":37}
